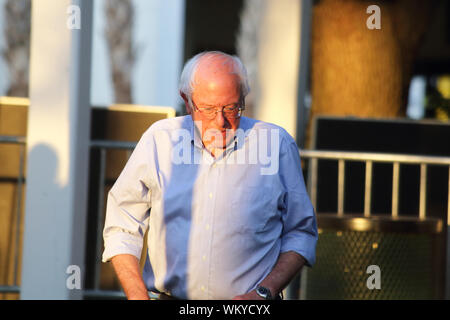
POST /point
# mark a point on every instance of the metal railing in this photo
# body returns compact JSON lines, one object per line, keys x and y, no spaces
{"x":369,"y":159}
{"x":312,"y":155}
{"x":21,"y":141}
{"x":103,"y":146}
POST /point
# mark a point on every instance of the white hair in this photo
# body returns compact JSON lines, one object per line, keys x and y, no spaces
{"x":186,"y":85}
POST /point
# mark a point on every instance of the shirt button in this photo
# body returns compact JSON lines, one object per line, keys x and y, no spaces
{"x":207,"y":227}
{"x":210,"y":195}
{"x":204,"y":258}
{"x":203,"y":288}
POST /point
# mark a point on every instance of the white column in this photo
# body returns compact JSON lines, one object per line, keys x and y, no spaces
{"x":57,"y":146}
{"x":278,"y":62}
{"x":159,"y":36}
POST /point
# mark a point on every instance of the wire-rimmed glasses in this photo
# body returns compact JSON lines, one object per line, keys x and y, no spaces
{"x":230,"y":111}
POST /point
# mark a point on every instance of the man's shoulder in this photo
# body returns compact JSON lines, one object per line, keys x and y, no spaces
{"x":258,"y":125}
{"x":171,"y":124}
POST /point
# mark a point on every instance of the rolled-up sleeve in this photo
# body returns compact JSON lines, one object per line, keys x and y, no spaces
{"x":299,"y":220}
{"x":128,"y":204}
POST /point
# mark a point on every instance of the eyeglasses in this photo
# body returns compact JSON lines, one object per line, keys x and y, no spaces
{"x":230,"y":111}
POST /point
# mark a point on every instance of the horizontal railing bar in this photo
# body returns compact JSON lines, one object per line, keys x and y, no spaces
{"x":13,"y":139}
{"x":9,"y":289}
{"x":109,"y":144}
{"x":103,"y":294}
{"x":89,"y":293}
{"x":376,"y":157}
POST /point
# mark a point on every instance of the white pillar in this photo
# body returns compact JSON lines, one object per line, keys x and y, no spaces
{"x":278,"y":63}
{"x":57,"y":146}
{"x":159,"y":40}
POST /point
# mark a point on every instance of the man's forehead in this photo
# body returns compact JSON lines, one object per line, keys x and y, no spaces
{"x":214,"y":66}
{"x":213,"y":76}
{"x":216,"y":60}
{"x":217,"y":84}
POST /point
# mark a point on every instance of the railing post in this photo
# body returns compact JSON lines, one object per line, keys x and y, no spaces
{"x":313,"y":182}
{"x":423,"y":191}
{"x":19,"y":211}
{"x":100,"y":217}
{"x":368,"y":189}
{"x":447,"y":269}
{"x":395,"y":188}
{"x":341,"y":187}
{"x":21,"y":142}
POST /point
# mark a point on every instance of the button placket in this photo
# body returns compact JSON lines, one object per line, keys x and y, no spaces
{"x":208,"y":219}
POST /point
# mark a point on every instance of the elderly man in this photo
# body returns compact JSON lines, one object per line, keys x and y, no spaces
{"x":221,"y":225}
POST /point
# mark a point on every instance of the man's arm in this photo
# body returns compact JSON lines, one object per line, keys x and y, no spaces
{"x":126,"y":267}
{"x":287,"y":266}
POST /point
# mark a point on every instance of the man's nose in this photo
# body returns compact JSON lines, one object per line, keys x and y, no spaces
{"x":220,"y":119}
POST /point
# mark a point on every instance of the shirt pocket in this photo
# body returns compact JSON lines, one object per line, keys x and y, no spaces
{"x":253,"y":208}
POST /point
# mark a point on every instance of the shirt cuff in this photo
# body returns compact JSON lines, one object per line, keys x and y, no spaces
{"x":122,"y":243}
{"x":302,"y":243}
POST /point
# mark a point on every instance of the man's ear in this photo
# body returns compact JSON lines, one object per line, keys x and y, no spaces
{"x":186,"y":102}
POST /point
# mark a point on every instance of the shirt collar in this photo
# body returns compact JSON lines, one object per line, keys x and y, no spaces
{"x":236,"y":143}
{"x":195,"y":135}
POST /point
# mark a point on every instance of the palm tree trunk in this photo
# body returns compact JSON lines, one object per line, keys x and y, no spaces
{"x":361,"y":72}
{"x":119,"y":27}
{"x":17,"y":16}
{"x":247,"y":45}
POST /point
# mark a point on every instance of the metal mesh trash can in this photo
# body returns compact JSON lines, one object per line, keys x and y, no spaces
{"x":408,"y":252}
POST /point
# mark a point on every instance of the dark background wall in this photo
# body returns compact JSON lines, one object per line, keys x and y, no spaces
{"x":211,"y":25}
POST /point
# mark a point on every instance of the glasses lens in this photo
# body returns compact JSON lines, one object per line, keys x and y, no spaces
{"x":209,"y":112}
{"x":231,"y":112}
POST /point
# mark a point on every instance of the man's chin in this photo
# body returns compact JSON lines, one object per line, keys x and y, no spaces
{"x":219,"y":145}
{"x":219,"y":139}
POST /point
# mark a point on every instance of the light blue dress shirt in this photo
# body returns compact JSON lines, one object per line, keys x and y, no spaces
{"x":217,"y":225}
